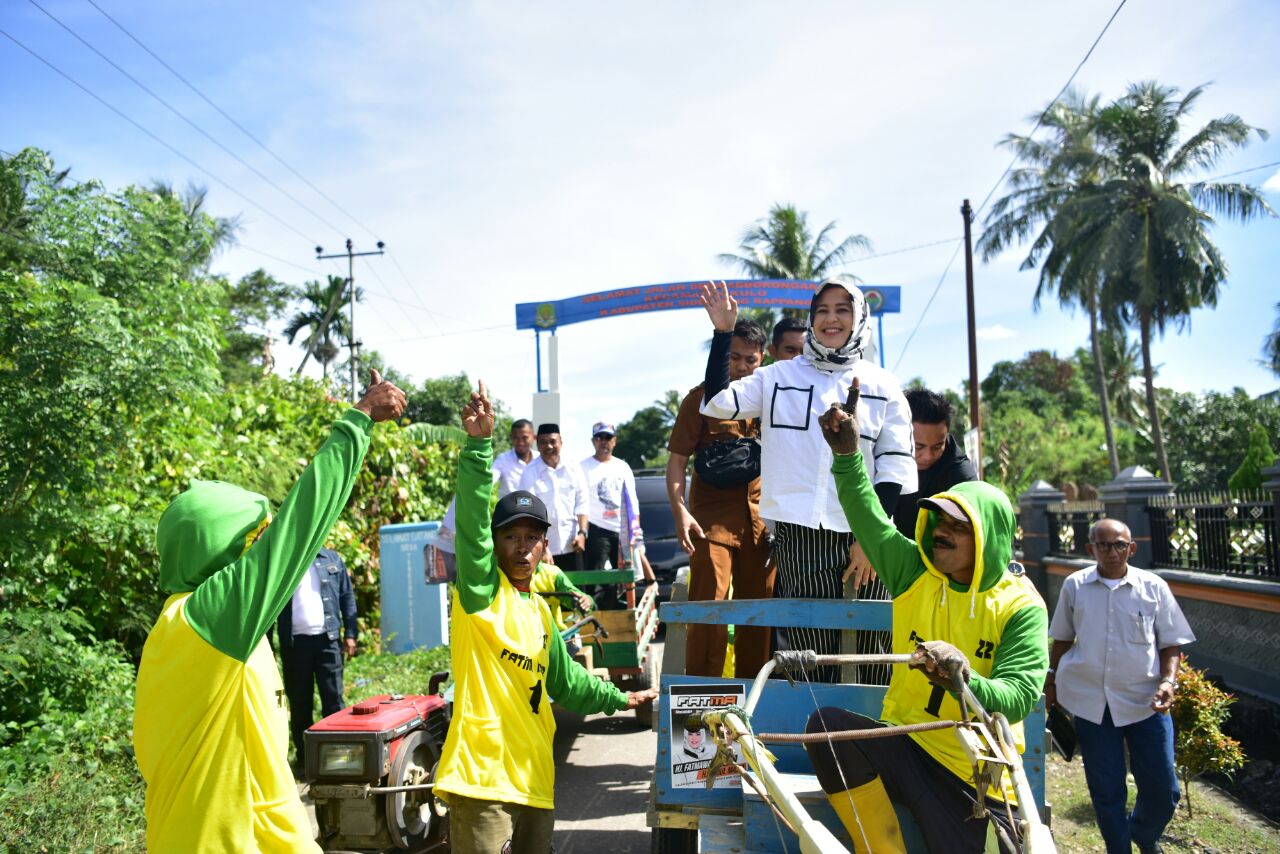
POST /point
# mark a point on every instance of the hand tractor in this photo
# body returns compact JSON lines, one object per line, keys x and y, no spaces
{"x":371,"y":768}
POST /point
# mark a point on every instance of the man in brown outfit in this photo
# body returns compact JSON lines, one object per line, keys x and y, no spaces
{"x":721,"y":527}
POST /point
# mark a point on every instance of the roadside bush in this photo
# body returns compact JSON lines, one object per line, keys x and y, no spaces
{"x":1200,"y":708}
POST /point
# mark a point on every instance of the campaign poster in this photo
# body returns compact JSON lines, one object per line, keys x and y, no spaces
{"x":692,"y":747}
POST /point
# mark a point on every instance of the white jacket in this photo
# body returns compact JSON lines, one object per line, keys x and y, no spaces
{"x":796,"y":484}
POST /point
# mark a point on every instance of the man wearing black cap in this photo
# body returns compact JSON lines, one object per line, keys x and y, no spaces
{"x":966,"y":613}
{"x":497,"y":772}
{"x":563,"y":489}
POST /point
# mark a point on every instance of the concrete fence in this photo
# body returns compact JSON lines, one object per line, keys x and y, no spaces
{"x":1232,"y":598}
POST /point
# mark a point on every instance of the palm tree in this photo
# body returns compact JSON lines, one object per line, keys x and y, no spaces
{"x":1271,"y":346}
{"x":1050,"y":173}
{"x":780,"y":246}
{"x":1142,"y":227}
{"x":210,"y":234}
{"x":322,"y":317}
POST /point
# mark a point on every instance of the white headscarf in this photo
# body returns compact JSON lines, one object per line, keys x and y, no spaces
{"x":843,"y":358}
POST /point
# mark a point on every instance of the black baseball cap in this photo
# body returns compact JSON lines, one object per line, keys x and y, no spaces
{"x":519,"y":505}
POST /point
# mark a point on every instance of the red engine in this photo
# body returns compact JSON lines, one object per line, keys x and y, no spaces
{"x":371,"y":767}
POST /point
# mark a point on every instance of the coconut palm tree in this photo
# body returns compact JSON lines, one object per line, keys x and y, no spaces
{"x":321,"y":316}
{"x":781,"y":246}
{"x":1271,"y":346}
{"x":216,"y":232}
{"x":1049,"y":172}
{"x":1141,"y":225}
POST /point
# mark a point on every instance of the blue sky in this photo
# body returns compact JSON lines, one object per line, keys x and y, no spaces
{"x":516,"y":152}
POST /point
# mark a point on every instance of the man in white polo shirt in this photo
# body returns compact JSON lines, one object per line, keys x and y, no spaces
{"x":561,"y":486}
{"x":1117,"y":637}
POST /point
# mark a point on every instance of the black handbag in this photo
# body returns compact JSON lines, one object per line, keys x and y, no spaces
{"x":734,"y":462}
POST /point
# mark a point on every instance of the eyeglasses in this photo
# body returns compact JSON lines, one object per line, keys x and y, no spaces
{"x":1117,"y":546}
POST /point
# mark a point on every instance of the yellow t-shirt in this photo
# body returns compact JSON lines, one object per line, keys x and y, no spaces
{"x":211,"y":738}
{"x":499,"y":743}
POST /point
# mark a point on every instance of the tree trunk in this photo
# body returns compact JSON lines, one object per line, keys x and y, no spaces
{"x":1112,"y":456}
{"x":1148,"y":377}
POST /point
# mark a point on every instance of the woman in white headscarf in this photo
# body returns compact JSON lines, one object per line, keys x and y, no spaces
{"x":813,"y":547}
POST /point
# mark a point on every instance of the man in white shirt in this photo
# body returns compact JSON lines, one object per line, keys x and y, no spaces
{"x":562,"y":487}
{"x":607,"y":477}
{"x":1117,"y":639}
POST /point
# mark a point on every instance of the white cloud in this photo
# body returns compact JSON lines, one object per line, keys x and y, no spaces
{"x":997,"y":332}
{"x":1273,"y":184}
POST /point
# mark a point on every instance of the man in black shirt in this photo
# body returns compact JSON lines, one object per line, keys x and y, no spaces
{"x":940,"y":463}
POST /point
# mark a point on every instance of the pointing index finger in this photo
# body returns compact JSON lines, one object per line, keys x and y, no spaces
{"x":855,"y":391}
{"x":484,"y":392}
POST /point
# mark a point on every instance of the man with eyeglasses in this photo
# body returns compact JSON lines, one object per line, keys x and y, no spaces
{"x":1117,"y":635}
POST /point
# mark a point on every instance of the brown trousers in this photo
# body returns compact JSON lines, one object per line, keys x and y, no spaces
{"x":711,"y":567}
{"x":489,"y":827}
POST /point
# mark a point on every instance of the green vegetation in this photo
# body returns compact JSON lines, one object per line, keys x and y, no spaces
{"x":127,"y":369}
{"x":1219,"y":823}
{"x":1121,"y":227}
{"x":1200,"y":708}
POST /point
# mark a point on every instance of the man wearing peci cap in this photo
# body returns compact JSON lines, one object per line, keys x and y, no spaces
{"x":610,"y":483}
{"x":497,"y":771}
{"x":562,"y":487}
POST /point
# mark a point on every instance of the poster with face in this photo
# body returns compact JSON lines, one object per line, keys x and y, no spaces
{"x":692,"y":747}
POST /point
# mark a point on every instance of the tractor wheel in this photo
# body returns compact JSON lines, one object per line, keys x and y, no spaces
{"x":646,"y":715}
{"x":410,"y":815}
{"x":672,"y":840}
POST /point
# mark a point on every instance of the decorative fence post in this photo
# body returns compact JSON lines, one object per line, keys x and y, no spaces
{"x":1126,"y":499}
{"x":1271,"y":483}
{"x":1034,"y":519}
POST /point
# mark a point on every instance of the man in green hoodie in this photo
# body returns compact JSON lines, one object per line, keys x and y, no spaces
{"x":955,"y":590}
{"x":210,"y":731}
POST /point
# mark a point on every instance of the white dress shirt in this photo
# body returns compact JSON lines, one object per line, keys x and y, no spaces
{"x":507,"y":471}
{"x":1115,"y":660}
{"x":564,"y":490}
{"x":796,"y":485}
{"x":308,"y":607}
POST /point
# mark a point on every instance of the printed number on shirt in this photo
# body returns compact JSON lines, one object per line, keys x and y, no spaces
{"x":535,"y":697}
{"x":791,"y":407}
{"x":985,"y":649}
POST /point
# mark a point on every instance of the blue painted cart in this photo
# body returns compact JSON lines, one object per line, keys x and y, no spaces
{"x":687,"y":819}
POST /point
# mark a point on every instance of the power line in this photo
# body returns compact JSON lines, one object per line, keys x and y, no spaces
{"x":413,"y":290}
{"x":237,"y":124}
{"x":1244,"y":171}
{"x":153,"y":136}
{"x":198,"y":129}
{"x":905,"y":249}
{"x":1045,"y":112}
{"x":1005,"y":173}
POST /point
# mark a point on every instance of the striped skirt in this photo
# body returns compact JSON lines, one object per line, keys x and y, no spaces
{"x":811,"y":562}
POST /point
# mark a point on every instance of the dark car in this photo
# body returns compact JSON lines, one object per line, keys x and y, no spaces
{"x":660,"y":543}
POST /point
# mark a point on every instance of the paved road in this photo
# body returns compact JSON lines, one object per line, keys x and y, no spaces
{"x":603,"y":767}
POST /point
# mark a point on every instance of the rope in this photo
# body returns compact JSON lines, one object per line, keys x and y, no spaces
{"x":852,"y":734}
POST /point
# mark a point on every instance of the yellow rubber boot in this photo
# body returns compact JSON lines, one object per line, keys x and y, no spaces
{"x":868,"y":815}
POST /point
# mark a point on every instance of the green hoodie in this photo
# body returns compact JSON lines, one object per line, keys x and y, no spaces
{"x":999,"y":622}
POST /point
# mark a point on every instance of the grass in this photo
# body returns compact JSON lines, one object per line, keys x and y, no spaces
{"x":1218,"y":823}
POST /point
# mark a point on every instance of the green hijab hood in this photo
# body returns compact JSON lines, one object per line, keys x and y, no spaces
{"x":993,"y":524}
{"x":204,"y":529}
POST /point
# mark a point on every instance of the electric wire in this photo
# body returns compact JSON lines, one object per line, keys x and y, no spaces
{"x":152,"y":135}
{"x":1005,"y":173}
{"x":194,"y":126}
{"x":1243,"y":171}
{"x":237,"y":124}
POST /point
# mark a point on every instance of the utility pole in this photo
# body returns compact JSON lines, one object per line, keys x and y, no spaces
{"x":975,"y":412}
{"x":351,"y":256}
